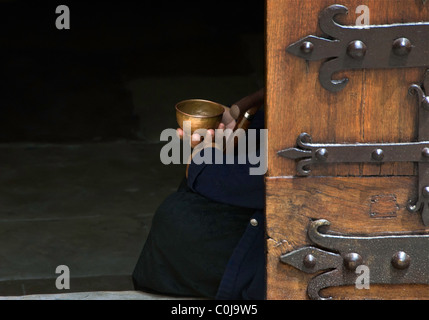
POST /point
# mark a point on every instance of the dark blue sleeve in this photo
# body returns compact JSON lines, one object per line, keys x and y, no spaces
{"x":228,"y":183}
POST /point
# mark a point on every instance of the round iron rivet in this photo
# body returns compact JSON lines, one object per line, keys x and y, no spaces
{"x":356,"y":49}
{"x":309,"y":261}
{"x":425,"y":152}
{"x":307,"y":47}
{"x":401,"y":260}
{"x":411,"y":207}
{"x":377,"y":155}
{"x":352,"y":261}
{"x":425,"y":192}
{"x":402,"y":46}
{"x":322,"y":154}
{"x":254,"y":222}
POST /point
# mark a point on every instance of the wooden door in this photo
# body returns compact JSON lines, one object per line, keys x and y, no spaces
{"x":374,"y":107}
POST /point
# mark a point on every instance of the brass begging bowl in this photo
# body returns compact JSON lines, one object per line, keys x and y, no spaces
{"x":202,"y":114}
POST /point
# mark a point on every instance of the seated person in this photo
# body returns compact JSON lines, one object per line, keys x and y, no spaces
{"x":208,"y":238}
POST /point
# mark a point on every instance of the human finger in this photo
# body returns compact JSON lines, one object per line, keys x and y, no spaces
{"x":179,"y":133}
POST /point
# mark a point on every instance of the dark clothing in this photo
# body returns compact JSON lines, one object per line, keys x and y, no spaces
{"x":202,"y":242}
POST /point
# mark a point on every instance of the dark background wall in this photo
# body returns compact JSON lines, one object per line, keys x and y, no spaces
{"x":81,"y":112}
{"x":71,"y":85}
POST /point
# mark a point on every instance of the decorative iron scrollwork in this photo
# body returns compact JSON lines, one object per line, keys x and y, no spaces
{"x":422,"y":203}
{"x":309,"y":153}
{"x":401,"y":45}
{"x":325,"y":153}
{"x":390,"y":259}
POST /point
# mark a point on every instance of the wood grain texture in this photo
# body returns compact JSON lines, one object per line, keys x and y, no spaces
{"x":374,"y":107}
{"x":348,"y":203}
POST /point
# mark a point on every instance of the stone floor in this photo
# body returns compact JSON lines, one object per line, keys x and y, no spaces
{"x":98,"y":295}
{"x":85,"y":206}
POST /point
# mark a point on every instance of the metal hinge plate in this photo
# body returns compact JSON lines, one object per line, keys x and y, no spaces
{"x":324,"y":153}
{"x":391,"y":259}
{"x":400,"y":45}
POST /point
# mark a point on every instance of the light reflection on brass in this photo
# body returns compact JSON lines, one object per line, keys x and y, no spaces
{"x":203,"y":114}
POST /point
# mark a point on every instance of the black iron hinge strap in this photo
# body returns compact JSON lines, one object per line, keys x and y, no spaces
{"x":400,"y":45}
{"x":324,"y":153}
{"x":390,"y":259}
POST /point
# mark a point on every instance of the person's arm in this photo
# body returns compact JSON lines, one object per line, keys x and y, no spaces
{"x":230,"y":183}
{"x":227,"y":183}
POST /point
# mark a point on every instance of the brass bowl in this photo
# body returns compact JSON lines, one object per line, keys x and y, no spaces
{"x":202,"y":114}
